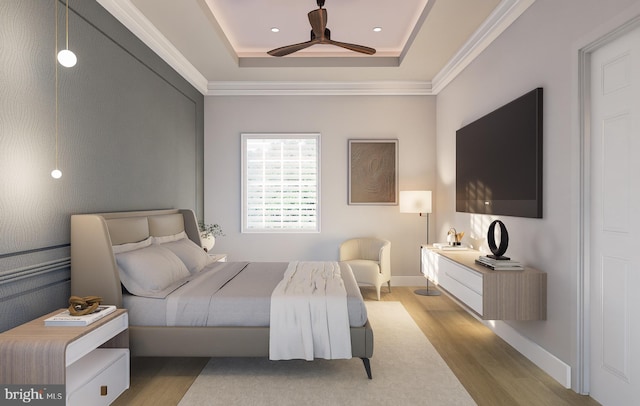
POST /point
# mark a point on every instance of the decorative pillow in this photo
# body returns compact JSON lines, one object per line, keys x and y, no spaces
{"x":193,"y":256}
{"x":169,"y":238}
{"x":153,"y":271}
{"x":132,"y":246}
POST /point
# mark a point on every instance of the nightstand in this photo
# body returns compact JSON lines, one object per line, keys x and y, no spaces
{"x":219,"y":257}
{"x":92,"y":362}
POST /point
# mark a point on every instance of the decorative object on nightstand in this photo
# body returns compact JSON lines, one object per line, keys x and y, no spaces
{"x":82,"y":311}
{"x":418,"y":201}
{"x":80,"y":306}
{"x":208,"y":234}
{"x":66,"y":318}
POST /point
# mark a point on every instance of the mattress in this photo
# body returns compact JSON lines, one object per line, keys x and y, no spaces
{"x":242,"y":300}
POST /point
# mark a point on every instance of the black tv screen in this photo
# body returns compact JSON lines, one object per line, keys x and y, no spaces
{"x":499,"y":160}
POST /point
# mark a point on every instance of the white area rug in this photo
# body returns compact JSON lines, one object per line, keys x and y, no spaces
{"x":406,"y":370}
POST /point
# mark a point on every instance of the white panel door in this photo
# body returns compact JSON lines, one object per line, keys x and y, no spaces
{"x":615,"y":222}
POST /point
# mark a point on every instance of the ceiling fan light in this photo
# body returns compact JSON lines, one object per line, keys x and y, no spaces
{"x":67,"y":58}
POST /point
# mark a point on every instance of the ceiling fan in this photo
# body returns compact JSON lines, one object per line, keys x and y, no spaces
{"x":320,"y":34}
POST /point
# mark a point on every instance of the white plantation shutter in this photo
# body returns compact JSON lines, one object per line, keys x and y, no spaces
{"x":281,"y":182}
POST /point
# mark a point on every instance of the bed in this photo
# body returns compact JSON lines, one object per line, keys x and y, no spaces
{"x":99,"y":242}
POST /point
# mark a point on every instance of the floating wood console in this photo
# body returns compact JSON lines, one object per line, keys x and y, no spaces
{"x":492,"y":295}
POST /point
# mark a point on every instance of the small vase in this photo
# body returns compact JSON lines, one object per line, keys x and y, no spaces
{"x":208,"y":242}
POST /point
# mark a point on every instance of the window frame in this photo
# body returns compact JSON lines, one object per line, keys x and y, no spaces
{"x":245,"y":137}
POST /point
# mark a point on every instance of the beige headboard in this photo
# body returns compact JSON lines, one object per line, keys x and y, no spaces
{"x":93,"y":266}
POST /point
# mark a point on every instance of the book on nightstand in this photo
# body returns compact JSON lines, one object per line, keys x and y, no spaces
{"x":66,"y":319}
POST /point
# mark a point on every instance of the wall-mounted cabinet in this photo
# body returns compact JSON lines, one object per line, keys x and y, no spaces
{"x":492,"y":295}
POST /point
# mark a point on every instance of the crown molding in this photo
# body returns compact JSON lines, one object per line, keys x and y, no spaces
{"x":129,"y":15}
{"x":371,"y":88}
{"x":504,"y":14}
{"x":498,"y":21}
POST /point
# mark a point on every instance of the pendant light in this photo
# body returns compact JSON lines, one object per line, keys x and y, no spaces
{"x":66,"y":57}
{"x":56,"y":173}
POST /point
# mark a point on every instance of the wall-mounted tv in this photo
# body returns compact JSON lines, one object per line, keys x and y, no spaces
{"x":499,"y":160}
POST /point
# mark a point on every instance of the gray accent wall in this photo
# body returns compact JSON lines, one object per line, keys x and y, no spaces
{"x":130,"y":138}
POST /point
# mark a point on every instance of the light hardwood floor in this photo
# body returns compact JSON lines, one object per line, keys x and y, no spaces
{"x":492,"y":371}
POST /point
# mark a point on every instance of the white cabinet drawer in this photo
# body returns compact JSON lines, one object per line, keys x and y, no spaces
{"x":99,"y":377}
{"x":464,"y":294}
{"x":465,"y":276}
{"x":461,"y":282}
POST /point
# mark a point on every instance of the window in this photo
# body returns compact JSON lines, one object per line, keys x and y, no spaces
{"x":280,"y":183}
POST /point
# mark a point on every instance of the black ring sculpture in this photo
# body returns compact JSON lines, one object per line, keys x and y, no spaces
{"x":498,"y":252}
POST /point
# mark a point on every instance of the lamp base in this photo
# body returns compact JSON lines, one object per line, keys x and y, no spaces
{"x":427,"y":292}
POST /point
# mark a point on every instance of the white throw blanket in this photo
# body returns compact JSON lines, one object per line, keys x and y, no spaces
{"x":309,"y":317}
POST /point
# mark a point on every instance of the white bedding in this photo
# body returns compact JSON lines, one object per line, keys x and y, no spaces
{"x":309,"y":317}
{"x":193,"y":305}
{"x":245,"y":300}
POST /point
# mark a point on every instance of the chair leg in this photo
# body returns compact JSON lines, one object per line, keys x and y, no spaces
{"x":389,"y":283}
{"x":378,"y":291}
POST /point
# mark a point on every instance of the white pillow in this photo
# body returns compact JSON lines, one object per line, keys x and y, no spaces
{"x":153,"y":271}
{"x":193,"y":256}
{"x":169,"y":238}
{"x":132,"y":246}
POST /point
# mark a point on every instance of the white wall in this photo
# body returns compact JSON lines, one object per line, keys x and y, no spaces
{"x":410,"y":119}
{"x":539,"y":49}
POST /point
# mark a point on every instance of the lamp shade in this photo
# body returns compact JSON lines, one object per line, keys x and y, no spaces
{"x":415,"y":201}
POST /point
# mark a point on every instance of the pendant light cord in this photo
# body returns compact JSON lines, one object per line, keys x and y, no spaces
{"x":67,"y":24}
{"x":56,"y":80}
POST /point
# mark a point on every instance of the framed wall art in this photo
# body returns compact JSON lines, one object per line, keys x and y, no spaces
{"x":373,"y":171}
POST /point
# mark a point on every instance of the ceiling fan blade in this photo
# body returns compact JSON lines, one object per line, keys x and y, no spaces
{"x":318,"y":21}
{"x":352,"y":47}
{"x":289,"y":49}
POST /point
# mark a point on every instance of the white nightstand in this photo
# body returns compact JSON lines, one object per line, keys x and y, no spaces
{"x":219,"y":257}
{"x":92,"y":362}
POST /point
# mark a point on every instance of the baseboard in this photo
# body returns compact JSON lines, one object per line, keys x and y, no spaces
{"x":549,"y":363}
{"x":417,"y":280}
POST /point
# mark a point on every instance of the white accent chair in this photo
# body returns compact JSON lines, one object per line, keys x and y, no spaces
{"x":370,"y":260}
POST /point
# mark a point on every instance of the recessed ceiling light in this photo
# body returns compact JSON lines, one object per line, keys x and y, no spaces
{"x":275,"y":29}
{"x":377,"y":29}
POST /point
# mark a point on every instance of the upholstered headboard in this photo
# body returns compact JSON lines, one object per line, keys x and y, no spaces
{"x":93,"y":265}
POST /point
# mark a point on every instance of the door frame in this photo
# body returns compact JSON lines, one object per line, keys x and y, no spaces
{"x":583,"y":357}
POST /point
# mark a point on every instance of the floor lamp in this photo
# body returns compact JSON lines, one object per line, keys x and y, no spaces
{"x":418,"y":201}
